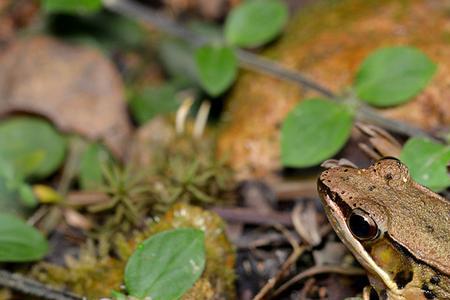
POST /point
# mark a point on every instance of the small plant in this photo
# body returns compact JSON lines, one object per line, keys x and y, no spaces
{"x":316,"y":129}
{"x":127,"y":194}
{"x":251,"y":24}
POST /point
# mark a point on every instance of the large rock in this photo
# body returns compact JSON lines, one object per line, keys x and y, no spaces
{"x":327,"y":42}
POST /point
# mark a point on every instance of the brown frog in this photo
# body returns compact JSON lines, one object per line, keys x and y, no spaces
{"x":398,"y":230}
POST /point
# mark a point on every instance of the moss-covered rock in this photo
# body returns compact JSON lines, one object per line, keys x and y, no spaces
{"x":94,"y":277}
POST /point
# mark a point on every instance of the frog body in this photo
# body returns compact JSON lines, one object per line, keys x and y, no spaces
{"x":398,"y":230}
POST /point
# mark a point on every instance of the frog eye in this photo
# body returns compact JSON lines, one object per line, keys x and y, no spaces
{"x":362,"y":225}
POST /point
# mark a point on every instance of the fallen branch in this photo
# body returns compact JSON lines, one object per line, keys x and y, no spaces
{"x":34,"y":288}
{"x":316,"y":270}
{"x":254,"y":62}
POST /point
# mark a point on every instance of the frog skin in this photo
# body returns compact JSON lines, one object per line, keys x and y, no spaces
{"x":398,"y":230}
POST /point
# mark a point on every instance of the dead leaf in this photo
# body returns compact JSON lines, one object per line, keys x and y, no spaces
{"x":305,"y":220}
{"x":77,"y":220}
{"x":75,"y":87}
{"x":15,"y":15}
{"x":380,"y":142}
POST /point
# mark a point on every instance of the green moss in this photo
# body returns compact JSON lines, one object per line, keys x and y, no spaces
{"x":94,"y":276}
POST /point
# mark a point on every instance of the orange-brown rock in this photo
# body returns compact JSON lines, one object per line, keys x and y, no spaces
{"x":327,"y":42}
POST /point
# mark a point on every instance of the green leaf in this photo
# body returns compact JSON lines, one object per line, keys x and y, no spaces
{"x":166,"y":265}
{"x":118,"y":296}
{"x":71,"y":6}
{"x":91,"y":162}
{"x":217,"y":68}
{"x":313,"y":131}
{"x":153,"y":101}
{"x":33,"y":147}
{"x":391,"y":76}
{"x":14,"y":196}
{"x":20,"y":242}
{"x":255,"y":22}
{"x":427,"y":162}
{"x":26,"y":195}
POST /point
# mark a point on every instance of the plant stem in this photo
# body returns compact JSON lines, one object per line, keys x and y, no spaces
{"x":31,"y":287}
{"x":254,"y":62}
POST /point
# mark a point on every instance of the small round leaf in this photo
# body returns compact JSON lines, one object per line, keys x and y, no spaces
{"x":391,"y":76}
{"x":20,"y":242}
{"x":427,"y":162}
{"x":166,"y":265}
{"x":32,"y":146}
{"x":217,"y":68}
{"x":313,"y":131}
{"x":255,"y":22}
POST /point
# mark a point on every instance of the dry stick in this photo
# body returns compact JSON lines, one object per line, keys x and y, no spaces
{"x":316,"y":270}
{"x":254,"y":62}
{"x":31,"y":287}
{"x":292,"y":259}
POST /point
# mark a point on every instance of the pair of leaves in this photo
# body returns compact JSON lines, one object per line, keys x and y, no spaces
{"x":251,"y":24}
{"x":312,"y":132}
{"x":166,"y":265}
{"x":20,"y":242}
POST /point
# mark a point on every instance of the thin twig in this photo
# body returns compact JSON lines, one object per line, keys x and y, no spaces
{"x":31,"y":287}
{"x":76,"y":147}
{"x":251,"y":216}
{"x":316,"y":270}
{"x":291,"y":260}
{"x":252,"y":61}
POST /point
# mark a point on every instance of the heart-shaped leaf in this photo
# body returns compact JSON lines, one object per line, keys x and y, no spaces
{"x":313,"y":131}
{"x":255,"y":22}
{"x":166,"y":265}
{"x":217,"y":68}
{"x":391,"y":76}
{"x":20,"y":242}
{"x":427,"y":162}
